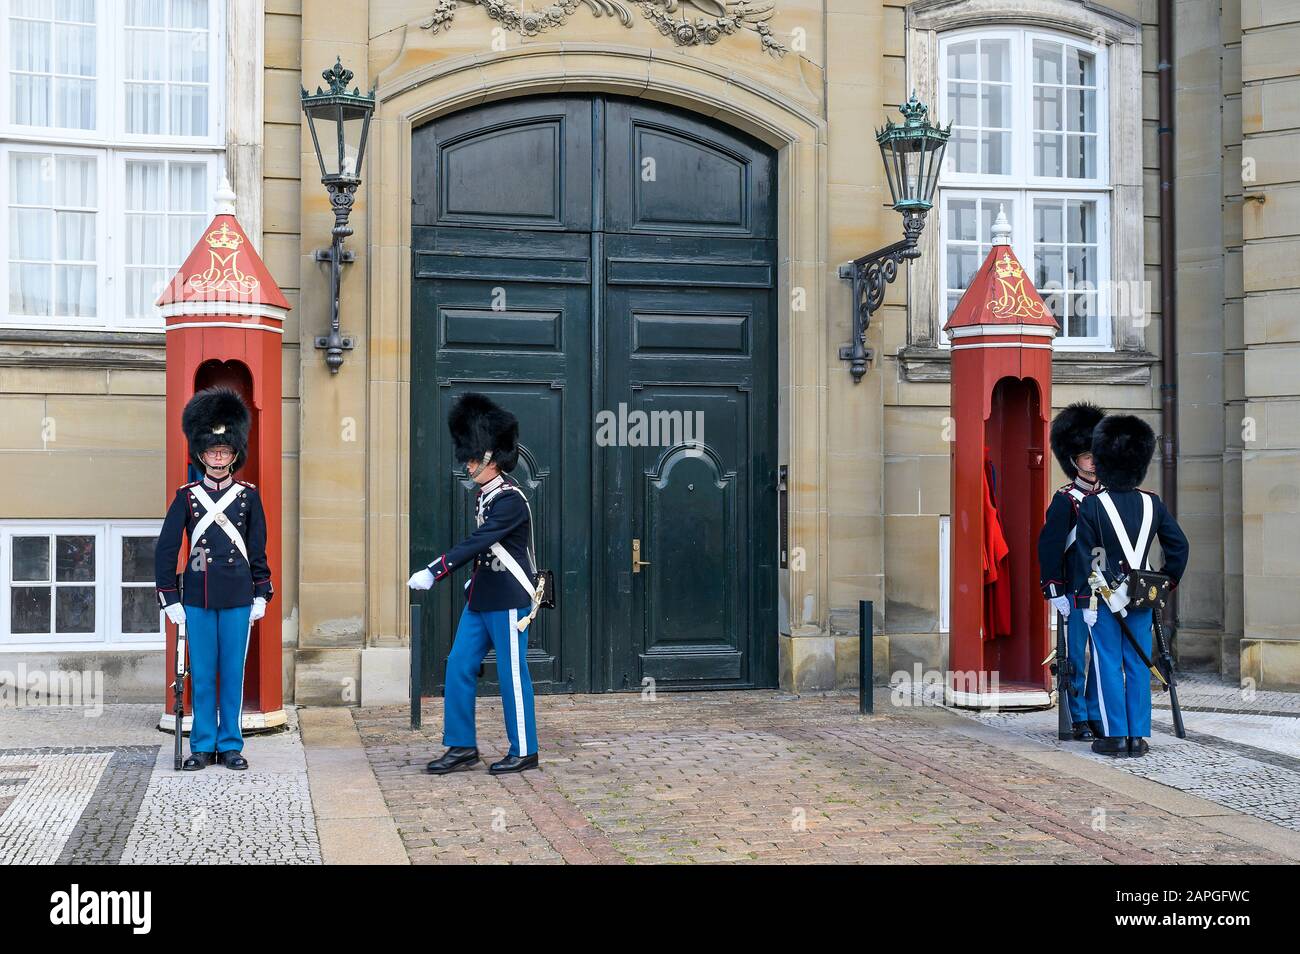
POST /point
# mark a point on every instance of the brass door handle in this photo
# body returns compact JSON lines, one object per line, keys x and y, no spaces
{"x":637,"y":562}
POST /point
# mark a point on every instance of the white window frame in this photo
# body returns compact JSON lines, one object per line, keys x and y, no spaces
{"x":1020,"y":185}
{"x":108,"y":581}
{"x":113,"y":146}
{"x":104,"y":54}
{"x":216,"y":88}
{"x":110,"y":99}
{"x":1022,"y":111}
{"x":215,"y":164}
{"x":117,"y":531}
{"x":1022,"y":244}
{"x":110,"y":227}
{"x":103,"y":276}
{"x":8,"y":531}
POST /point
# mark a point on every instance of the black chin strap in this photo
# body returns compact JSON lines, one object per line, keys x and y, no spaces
{"x":487,"y":459}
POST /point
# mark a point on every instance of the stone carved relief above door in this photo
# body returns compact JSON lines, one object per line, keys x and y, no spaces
{"x":688,"y":22}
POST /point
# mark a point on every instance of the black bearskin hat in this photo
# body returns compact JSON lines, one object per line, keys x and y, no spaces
{"x":478,"y":425}
{"x":1071,"y":434}
{"x":1122,"y":446}
{"x":214,"y":417}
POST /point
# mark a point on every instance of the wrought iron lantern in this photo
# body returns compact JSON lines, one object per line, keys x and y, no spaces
{"x":913,"y":155}
{"x":339,"y":122}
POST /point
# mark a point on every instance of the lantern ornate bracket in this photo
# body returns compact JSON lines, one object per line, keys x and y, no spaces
{"x":340,"y":174}
{"x":913,"y":155}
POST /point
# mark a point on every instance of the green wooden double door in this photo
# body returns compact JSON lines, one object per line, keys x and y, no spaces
{"x":605,"y":268}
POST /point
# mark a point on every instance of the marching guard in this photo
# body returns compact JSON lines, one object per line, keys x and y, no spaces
{"x":227,"y":581}
{"x":1116,"y":527}
{"x":1062,"y":571}
{"x":500,"y":602}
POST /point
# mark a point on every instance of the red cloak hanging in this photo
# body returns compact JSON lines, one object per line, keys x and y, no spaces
{"x":997,"y":564}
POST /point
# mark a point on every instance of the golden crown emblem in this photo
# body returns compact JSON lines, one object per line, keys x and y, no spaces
{"x":1007,"y":267}
{"x":224,"y":238}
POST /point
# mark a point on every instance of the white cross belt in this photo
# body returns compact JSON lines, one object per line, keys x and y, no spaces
{"x":216,"y":513}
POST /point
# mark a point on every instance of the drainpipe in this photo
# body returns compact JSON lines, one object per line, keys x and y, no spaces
{"x":1168,"y":254}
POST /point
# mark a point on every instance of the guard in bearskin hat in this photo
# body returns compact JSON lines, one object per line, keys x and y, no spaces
{"x":485,"y":438}
{"x":1061,"y":571}
{"x":226,"y":583}
{"x":1116,"y":527}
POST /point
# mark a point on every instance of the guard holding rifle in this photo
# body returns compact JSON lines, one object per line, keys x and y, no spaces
{"x":1116,"y":528}
{"x":227,"y":581}
{"x":501,"y":598}
{"x":1061,"y":570}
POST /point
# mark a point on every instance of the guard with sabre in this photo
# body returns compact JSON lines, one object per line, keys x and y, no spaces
{"x":1123,"y":594}
{"x":1062,"y":572}
{"x":226,"y":583}
{"x":503,"y":593}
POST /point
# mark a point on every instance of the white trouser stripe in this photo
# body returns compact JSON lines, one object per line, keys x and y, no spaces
{"x":1101,"y":695}
{"x":239,"y":720}
{"x":520,"y":725}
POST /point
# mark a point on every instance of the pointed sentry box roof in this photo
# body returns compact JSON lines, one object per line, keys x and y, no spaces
{"x":223,"y":273}
{"x":1001,"y":293}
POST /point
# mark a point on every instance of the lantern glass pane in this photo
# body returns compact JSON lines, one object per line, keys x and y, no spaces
{"x":322,"y":131}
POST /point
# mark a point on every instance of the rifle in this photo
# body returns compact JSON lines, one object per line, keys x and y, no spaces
{"x":1166,"y":658}
{"x":1063,"y":669}
{"x":178,"y":693}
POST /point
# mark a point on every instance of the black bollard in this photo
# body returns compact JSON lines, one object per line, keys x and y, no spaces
{"x":415,"y":664}
{"x":866,"y":660}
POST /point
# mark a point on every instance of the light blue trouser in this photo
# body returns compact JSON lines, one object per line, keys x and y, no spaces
{"x":218,"y":648}
{"x":1083,"y":688}
{"x":475,"y":634}
{"x":1123,"y":680}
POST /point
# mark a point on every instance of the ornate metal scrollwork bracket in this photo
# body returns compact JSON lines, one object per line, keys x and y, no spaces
{"x":342,"y":192}
{"x":871,"y":275}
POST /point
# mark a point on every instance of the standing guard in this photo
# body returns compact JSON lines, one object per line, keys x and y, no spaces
{"x":1116,"y":528}
{"x":1061,"y":571}
{"x":226,"y":583}
{"x":501,"y":600}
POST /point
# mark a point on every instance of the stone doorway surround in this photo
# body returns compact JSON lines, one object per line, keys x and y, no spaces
{"x":431,"y":77}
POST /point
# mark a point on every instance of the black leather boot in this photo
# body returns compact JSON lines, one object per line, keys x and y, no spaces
{"x":1110,"y":745}
{"x":1082,"y":732}
{"x":1137,"y":747}
{"x":233,"y":760}
{"x":455,"y":758}
{"x":514,"y":763}
{"x":198,"y":761}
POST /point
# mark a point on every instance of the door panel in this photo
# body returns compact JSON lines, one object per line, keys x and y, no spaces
{"x":590,"y":254}
{"x":517,"y":164}
{"x":690,"y":351}
{"x":672,"y":172}
{"x":523,"y":338}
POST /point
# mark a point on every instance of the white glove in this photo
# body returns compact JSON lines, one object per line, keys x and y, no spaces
{"x":176,"y":613}
{"x":1062,"y":604}
{"x":259,"y":609}
{"x":421,"y":579}
{"x":1090,"y":617}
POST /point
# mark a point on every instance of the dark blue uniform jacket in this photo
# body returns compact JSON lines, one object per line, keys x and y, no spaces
{"x":1058,"y":570}
{"x":505,"y":520}
{"x":1095,"y":531}
{"x":216,"y":574}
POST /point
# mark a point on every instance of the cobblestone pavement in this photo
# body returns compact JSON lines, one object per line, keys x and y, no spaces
{"x":759,"y":776}
{"x":1204,"y":692}
{"x":102,"y":790}
{"x":1238,"y":758}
